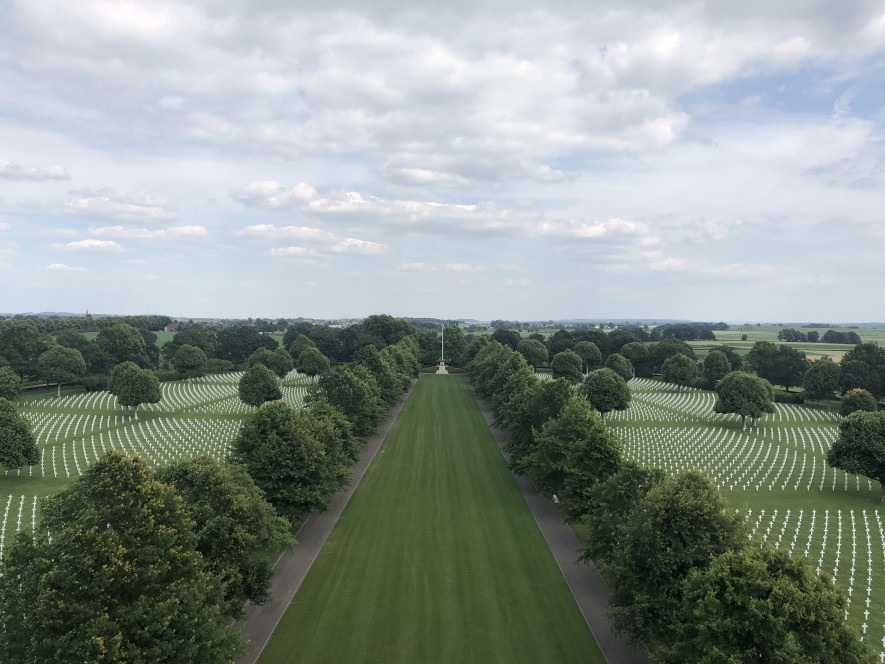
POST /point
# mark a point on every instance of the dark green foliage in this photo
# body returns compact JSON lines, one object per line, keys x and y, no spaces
{"x":864,"y":367}
{"x":236,"y":343}
{"x":61,"y":365}
{"x":294,"y":457}
{"x":591,"y":356}
{"x":190,"y":362}
{"x":257,"y":385}
{"x":233,"y":523}
{"x":610,"y":502}
{"x":860,"y":448}
{"x":680,"y":370}
{"x":385,"y":375}
{"x":760,"y":605}
{"x":822,"y":379}
{"x":121,"y":579}
{"x":620,"y":365}
{"x":389,"y":329}
{"x":606,"y":390}
{"x":21,"y":343}
{"x":300,"y":344}
{"x":568,"y":365}
{"x":10,"y":384}
{"x":744,"y":394}
{"x":18,"y":447}
{"x":509,"y":338}
{"x":534,"y":352}
{"x":312,"y":362}
{"x":857,"y":399}
{"x":668,"y":348}
{"x":716,"y":367}
{"x":455,"y":344}
{"x":736,"y":360}
{"x":355,"y":393}
{"x":780,"y":365}
{"x":124,"y":343}
{"x":639,"y":356}
{"x":679,"y":526}
{"x":133,"y":386}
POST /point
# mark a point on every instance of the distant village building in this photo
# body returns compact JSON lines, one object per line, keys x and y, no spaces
{"x":171,"y":327}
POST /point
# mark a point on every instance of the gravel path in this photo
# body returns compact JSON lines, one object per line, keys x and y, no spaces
{"x":586,"y":583}
{"x":292,"y":566}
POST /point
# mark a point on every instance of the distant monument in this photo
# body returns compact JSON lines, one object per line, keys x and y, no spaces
{"x":442,"y":357}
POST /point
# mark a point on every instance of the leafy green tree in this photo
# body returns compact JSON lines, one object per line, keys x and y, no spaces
{"x":620,"y":365}
{"x":124,"y":343}
{"x":857,"y":399}
{"x":21,"y":344}
{"x":606,"y":390}
{"x":391,"y":330}
{"x":822,"y":379}
{"x":860,"y":447}
{"x":133,"y":386}
{"x":389,"y":383}
{"x":744,"y":394}
{"x":716,"y":367}
{"x":257,"y":385}
{"x":300,"y":344}
{"x":507,"y":338}
{"x":679,"y":369}
{"x":864,"y":367}
{"x":608,"y":504}
{"x":761,"y":605}
{"x":667,"y":348}
{"x":781,"y":365}
{"x":121,"y":377}
{"x":354,"y":392}
{"x":639,"y":356}
{"x":590,"y":355}
{"x":312,"y":362}
{"x":567,"y":364}
{"x":285,"y":452}
{"x":10,"y":384}
{"x":71,"y":339}
{"x":277,"y":360}
{"x":190,"y":361}
{"x":237,"y":342}
{"x":119,"y":580}
{"x":679,"y":526}
{"x":734,"y":358}
{"x":190,"y":334}
{"x":234,"y":524}
{"x":456,"y":344}
{"x":18,"y":447}
{"x":534,"y":352}
{"x":61,"y":365}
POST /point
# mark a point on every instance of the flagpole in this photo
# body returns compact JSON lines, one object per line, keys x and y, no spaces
{"x":443,"y":358}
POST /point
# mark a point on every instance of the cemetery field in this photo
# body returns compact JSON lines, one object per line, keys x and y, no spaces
{"x":778,"y":478}
{"x":436,"y":557}
{"x":201,"y":418}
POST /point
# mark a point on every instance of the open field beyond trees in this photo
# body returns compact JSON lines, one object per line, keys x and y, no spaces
{"x":436,"y":558}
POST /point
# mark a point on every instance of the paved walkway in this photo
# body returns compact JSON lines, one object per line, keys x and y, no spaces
{"x":586,"y":583}
{"x":292,"y":566}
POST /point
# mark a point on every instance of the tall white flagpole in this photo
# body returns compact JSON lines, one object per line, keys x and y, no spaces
{"x":443,"y":358}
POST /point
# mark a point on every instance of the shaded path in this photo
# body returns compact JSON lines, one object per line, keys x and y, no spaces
{"x":292,"y":566}
{"x":586,"y":584}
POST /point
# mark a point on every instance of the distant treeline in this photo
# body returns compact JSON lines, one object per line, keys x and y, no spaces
{"x":829,"y":337}
{"x":54,"y":324}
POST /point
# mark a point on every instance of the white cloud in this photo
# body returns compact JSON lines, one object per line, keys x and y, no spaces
{"x":577,"y":229}
{"x":444,"y":267}
{"x":273,"y":195}
{"x":126,"y":208}
{"x":291,"y":252}
{"x":271,"y":233}
{"x":4,"y":226}
{"x":354,"y":246}
{"x":171,"y":234}
{"x":65,"y":268}
{"x":93,"y":246}
{"x":12,"y":171}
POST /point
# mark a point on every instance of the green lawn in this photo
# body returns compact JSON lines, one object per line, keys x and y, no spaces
{"x":436,"y":558}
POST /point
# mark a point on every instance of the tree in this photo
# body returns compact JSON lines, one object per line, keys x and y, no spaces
{"x":257,"y":385}
{"x":299,"y":345}
{"x":639,"y":356}
{"x":277,"y":360}
{"x":455,"y":344}
{"x":667,"y":348}
{"x":389,"y":329}
{"x":736,"y":360}
{"x":21,"y":344}
{"x":746,"y":395}
{"x":18,"y":447}
{"x":679,"y":526}
{"x":608,"y":504}
{"x":567,"y":364}
{"x":822,"y":379}
{"x":507,"y":337}
{"x":590,"y":355}
{"x":190,"y":362}
{"x":761,"y":605}
{"x":534,"y":352}
{"x":679,"y":369}
{"x":355,"y":393}
{"x":620,"y":365}
{"x":124,"y":343}
{"x":10,"y":384}
{"x":716,"y":367}
{"x":312,"y":362}
{"x":858,"y":399}
{"x":133,"y":386}
{"x":233,"y":523}
{"x":285,"y":452}
{"x":606,"y":390}
{"x":860,"y":447}
{"x":119,"y":580}
{"x":864,"y":366}
{"x":781,"y":365}
{"x":61,"y":365}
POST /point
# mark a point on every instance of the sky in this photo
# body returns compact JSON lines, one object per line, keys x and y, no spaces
{"x":520,"y":160}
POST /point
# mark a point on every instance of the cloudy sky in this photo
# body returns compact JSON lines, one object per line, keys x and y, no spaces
{"x":521,"y":160}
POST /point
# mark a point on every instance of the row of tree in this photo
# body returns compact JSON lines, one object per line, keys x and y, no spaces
{"x":790,"y":334}
{"x":87,"y":323}
{"x":684,"y":579}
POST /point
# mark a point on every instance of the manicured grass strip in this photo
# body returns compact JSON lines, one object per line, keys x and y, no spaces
{"x":436,"y":558}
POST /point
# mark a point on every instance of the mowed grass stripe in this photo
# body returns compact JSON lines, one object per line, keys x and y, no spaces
{"x":436,"y":558}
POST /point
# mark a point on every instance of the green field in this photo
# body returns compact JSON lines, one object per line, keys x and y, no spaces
{"x":778,"y":477}
{"x":733,"y":335}
{"x":436,"y":558}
